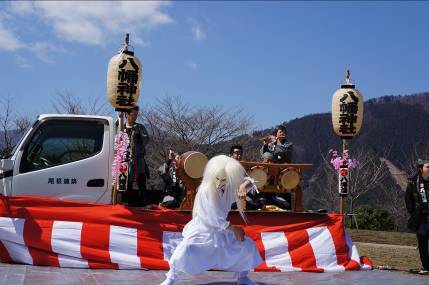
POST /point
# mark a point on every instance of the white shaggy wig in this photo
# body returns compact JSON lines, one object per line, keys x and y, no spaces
{"x":235,"y":174}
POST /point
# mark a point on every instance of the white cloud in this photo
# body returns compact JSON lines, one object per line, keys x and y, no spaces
{"x":8,"y":41}
{"x":93,"y":22}
{"x":43,"y":51}
{"x":198,"y":32}
{"x":192,"y":65}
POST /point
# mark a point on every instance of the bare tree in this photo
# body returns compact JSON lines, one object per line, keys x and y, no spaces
{"x":6,"y":125}
{"x":22,"y":124}
{"x":367,"y":176}
{"x":67,"y":103}
{"x":323,"y":187}
{"x":394,"y":202}
{"x":420,"y":150}
{"x":12,"y":126}
{"x":175,"y":124}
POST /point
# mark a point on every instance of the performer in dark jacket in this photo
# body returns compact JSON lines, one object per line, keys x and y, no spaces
{"x":416,"y":200}
{"x":281,"y":148}
{"x":137,"y":194}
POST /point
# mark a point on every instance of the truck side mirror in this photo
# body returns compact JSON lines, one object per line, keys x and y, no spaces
{"x":6,"y":164}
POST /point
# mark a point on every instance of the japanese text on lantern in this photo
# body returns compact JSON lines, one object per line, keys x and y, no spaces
{"x":128,"y":75}
{"x":348,"y":113}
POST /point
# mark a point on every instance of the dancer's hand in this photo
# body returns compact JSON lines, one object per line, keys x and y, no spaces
{"x":242,"y":190}
{"x":238,"y":232}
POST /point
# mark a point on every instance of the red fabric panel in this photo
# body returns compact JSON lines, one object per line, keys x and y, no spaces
{"x":37,"y":237}
{"x":95,"y":246}
{"x":301,"y":252}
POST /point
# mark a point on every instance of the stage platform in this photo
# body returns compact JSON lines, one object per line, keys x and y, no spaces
{"x":36,"y":275}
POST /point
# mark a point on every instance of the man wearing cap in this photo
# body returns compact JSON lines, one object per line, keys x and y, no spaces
{"x":280,"y":147}
{"x":416,"y":200}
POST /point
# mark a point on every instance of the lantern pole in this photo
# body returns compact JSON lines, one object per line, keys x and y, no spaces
{"x":342,"y":200}
{"x":121,"y":128}
{"x":127,"y":41}
{"x":345,"y":149}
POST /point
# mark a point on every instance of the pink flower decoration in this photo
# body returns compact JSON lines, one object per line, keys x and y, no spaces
{"x":344,"y":160}
{"x":122,"y":143}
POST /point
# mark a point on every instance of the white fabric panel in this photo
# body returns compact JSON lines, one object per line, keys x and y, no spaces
{"x":123,"y":247}
{"x":65,"y":242}
{"x":353,"y":252}
{"x":11,"y":235}
{"x":324,"y":249}
{"x":277,"y":251}
{"x":170,"y":240}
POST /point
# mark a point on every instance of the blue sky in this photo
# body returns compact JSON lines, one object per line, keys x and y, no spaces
{"x":277,"y":60}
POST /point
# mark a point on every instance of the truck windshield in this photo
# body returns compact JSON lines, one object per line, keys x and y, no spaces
{"x":62,"y":141}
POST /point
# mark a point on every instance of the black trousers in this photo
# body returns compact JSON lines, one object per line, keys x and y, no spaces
{"x":422,"y":241}
{"x":142,"y":197}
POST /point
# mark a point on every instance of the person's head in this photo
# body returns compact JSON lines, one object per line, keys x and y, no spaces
{"x":222,"y":173}
{"x":423,"y":167}
{"x":132,"y":114}
{"x":280,"y":132}
{"x":267,"y":157}
{"x":236,"y":152}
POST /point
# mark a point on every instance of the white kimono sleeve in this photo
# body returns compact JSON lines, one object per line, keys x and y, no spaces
{"x":210,"y":215}
{"x":253,"y":188}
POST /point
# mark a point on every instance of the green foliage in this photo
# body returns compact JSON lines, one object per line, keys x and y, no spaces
{"x":371,"y":217}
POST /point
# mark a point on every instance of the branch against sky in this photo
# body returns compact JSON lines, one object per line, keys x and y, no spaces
{"x":174,"y":124}
{"x":369,"y":175}
{"x":68,"y":103}
{"x":12,"y":125}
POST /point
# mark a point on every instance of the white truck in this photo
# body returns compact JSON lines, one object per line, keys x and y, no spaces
{"x":64,"y":157}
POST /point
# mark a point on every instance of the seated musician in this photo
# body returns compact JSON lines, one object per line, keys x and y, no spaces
{"x":252,"y":201}
{"x":280,"y":147}
{"x":281,"y":152}
{"x":174,"y":190}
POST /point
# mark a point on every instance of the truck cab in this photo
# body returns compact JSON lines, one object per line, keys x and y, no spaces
{"x":63,"y":157}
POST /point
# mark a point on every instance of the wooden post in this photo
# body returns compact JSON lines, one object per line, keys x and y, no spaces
{"x":342,"y":198}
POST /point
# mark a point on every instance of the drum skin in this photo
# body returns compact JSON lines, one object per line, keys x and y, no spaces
{"x":289,"y":179}
{"x":259,"y":174}
{"x":193,"y":164}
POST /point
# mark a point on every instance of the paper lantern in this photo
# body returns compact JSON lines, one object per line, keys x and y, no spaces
{"x":347,"y":111}
{"x":124,"y":75}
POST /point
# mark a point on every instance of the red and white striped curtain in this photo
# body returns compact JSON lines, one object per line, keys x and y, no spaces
{"x":81,"y":235}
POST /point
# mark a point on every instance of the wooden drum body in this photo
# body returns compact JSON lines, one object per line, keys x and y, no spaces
{"x":190,"y":171}
{"x":278,"y":178}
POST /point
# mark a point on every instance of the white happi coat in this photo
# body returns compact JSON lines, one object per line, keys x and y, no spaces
{"x":207,"y":244}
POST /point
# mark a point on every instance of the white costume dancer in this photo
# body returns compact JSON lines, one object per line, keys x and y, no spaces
{"x":209,"y":241}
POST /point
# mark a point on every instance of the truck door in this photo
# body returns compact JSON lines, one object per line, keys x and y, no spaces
{"x":65,"y":159}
